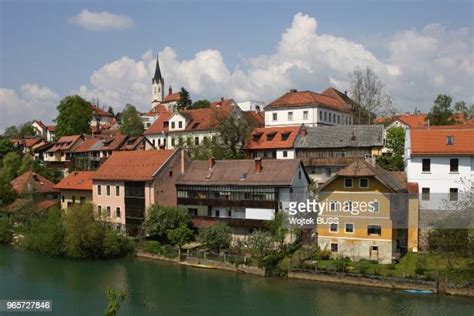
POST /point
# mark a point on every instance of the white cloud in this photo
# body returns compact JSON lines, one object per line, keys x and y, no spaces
{"x":33,"y":102}
{"x":99,"y":21}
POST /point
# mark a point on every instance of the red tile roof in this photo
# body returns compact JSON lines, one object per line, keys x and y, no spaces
{"x":222,"y":103}
{"x":65,"y":143}
{"x":29,"y":142}
{"x":77,"y":180}
{"x":260,"y":138}
{"x":98,"y":111}
{"x":172,"y":97}
{"x":30,"y":182}
{"x":86,"y":145}
{"x":433,"y":141}
{"x":51,"y":128}
{"x":133,"y":165}
{"x":46,"y":204}
{"x":160,"y":124}
{"x":256,"y":119}
{"x":413,"y":120}
{"x":295,"y":98}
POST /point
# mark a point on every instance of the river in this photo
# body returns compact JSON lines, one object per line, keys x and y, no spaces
{"x":158,"y":288}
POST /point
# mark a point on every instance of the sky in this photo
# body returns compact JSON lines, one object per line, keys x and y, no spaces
{"x":246,"y":50}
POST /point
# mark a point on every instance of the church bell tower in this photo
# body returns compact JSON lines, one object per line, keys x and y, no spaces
{"x":158,"y":84}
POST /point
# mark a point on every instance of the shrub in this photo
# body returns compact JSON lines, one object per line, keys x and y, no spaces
{"x":115,"y":245}
{"x":152,"y":246}
{"x":6,"y":231}
{"x":421,"y":264}
{"x":161,"y":219}
{"x":216,"y":237}
{"x":46,"y":235}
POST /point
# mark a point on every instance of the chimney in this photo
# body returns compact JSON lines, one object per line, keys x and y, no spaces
{"x":258,"y":165}
{"x":211,"y":163}
{"x":170,"y":90}
{"x":293,"y":90}
{"x":222,"y":99}
{"x":345,"y":92}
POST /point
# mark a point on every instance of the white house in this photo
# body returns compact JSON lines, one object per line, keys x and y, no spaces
{"x":441,"y":160}
{"x":294,"y":108}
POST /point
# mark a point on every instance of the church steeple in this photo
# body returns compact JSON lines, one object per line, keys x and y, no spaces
{"x":158,"y":83}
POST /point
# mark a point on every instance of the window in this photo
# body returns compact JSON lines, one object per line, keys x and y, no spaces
{"x":229,"y":213}
{"x":172,"y":142}
{"x":108,"y":190}
{"x":374,"y":230}
{"x":82,"y":199}
{"x":99,"y":210}
{"x":109,"y":212}
{"x":363,"y":182}
{"x":347,"y":182}
{"x":426,"y":165}
{"x":453,"y":194}
{"x":62,"y":198}
{"x":99,"y":189}
{"x":180,"y":124}
{"x":305,"y":115}
{"x":73,"y":199}
{"x":425,"y":194}
{"x":332,"y":205}
{"x":333,"y":228}
{"x":117,"y":212}
{"x":117,"y":190}
{"x":172,"y":125}
{"x":218,"y":213}
{"x":325,"y":116}
{"x":334,"y":247}
{"x":285,"y":153}
{"x":449,"y":140}
{"x":330,"y":114}
{"x":320,"y":115}
{"x":290,"y":116}
{"x":193,"y":211}
{"x":349,"y":229}
{"x":338,"y":119}
{"x":454,"y":165}
{"x":275,"y":116}
{"x":170,"y":173}
{"x":196,"y":141}
{"x":285,"y":135}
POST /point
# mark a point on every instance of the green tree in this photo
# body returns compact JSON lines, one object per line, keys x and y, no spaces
{"x":50,"y":173}
{"x":216,"y":237}
{"x":162,"y":219}
{"x":74,"y":117}
{"x":131,"y":122}
{"x":234,"y":131}
{"x":6,"y":231}
{"x":260,"y":244}
{"x":180,"y":236}
{"x":395,"y":142}
{"x":441,"y":113}
{"x":46,"y":234}
{"x":115,"y":245}
{"x":26,"y":163}
{"x":7,"y":194}
{"x":84,"y":235}
{"x":110,"y":110}
{"x":6,"y":146}
{"x":200,"y":104}
{"x":184,"y":99}
{"x":277,"y":230}
{"x":20,"y":131}
{"x":115,"y":298}
{"x":11,"y":164}
{"x":11,"y":132}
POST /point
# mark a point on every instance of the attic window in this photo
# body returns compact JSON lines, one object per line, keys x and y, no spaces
{"x":166,"y":124}
{"x":285,"y":135}
{"x":256,"y":137}
{"x":243,"y":176}
{"x":270,"y":136}
{"x":196,"y":125}
{"x":449,"y":140}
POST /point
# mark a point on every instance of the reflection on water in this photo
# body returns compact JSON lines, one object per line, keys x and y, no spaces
{"x":156,"y":288}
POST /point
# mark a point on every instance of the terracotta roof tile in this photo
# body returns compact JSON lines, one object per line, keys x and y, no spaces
{"x":132,"y":165}
{"x":87,"y":145}
{"x":172,"y":97}
{"x":431,"y":141}
{"x":77,"y":180}
{"x":272,"y":137}
{"x":65,"y":143}
{"x":30,"y":182}
{"x":160,"y":124}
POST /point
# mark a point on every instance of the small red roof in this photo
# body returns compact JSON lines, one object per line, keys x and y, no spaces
{"x":172,"y":97}
{"x":30,"y":182}
{"x":413,"y":120}
{"x":273,"y":137}
{"x":86,"y":145}
{"x":429,"y":141}
{"x":160,"y":124}
{"x":77,"y":180}
{"x":65,"y":143}
{"x":132,"y":165}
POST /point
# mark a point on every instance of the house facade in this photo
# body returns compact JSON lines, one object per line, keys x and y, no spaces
{"x":373,"y":212}
{"x":244,"y":194}
{"x":75,"y":188}
{"x":273,"y":142}
{"x":331,"y":107}
{"x":128,"y":182}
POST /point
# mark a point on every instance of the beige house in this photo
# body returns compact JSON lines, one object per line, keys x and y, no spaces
{"x":75,"y":188}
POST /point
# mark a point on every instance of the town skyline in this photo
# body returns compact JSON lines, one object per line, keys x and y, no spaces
{"x":417,"y":58}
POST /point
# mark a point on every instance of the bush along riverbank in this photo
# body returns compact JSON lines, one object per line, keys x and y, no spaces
{"x":74,"y":234}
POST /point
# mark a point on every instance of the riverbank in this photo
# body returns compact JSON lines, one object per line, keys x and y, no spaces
{"x":335,"y":278}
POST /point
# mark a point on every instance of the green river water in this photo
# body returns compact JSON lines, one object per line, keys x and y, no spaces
{"x":157,"y":288}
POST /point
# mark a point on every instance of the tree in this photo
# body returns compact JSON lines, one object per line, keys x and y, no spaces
{"x":115,"y":298}
{"x":7,"y":194}
{"x":180,"y":236}
{"x":131,"y":122}
{"x":26,"y":163}
{"x":395,"y":142}
{"x":234,"y":130}
{"x":200,"y":104}
{"x":20,"y":131}
{"x":277,"y":231}
{"x":215,"y":237}
{"x":11,"y":164}
{"x":368,"y":92}
{"x":184,"y":99}
{"x":52,"y":174}
{"x":46,"y":234}
{"x":110,"y":110}
{"x":162,"y":219}
{"x":441,"y":113}
{"x":260,"y":243}
{"x":6,"y":146}
{"x":74,"y":117}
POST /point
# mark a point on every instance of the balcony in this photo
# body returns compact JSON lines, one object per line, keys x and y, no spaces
{"x":228,"y":203}
{"x":206,"y":221}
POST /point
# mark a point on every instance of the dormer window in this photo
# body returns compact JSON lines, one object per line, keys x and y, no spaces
{"x":180,"y":124}
{"x":285,"y":135}
{"x":172,"y":125}
{"x":256,"y":136}
{"x":270,"y":136}
{"x":166,"y":124}
{"x":449,"y":140}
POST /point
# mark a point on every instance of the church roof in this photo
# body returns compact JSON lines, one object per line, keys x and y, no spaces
{"x":157,"y":77}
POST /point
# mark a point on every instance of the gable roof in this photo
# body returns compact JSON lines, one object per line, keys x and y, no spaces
{"x":206,"y":118}
{"x":77,"y":180}
{"x":87,"y":145}
{"x":172,"y":97}
{"x":241,"y":172}
{"x":159,"y":125}
{"x":341,"y":136}
{"x":31,"y":182}
{"x":431,"y":141}
{"x":256,"y":119}
{"x":65,"y":143}
{"x":133,"y":165}
{"x":260,"y":138}
{"x":394,"y":181}
{"x":294,"y":98}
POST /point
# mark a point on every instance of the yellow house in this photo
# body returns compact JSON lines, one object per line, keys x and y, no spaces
{"x":76,"y":188}
{"x":370,"y":213}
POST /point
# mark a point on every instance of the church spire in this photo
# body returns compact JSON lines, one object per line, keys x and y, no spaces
{"x":157,"y":77}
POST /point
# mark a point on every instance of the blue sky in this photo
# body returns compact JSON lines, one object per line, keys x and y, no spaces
{"x":40,"y":46}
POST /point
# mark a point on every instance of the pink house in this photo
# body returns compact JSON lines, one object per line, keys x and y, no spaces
{"x":130,"y":181}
